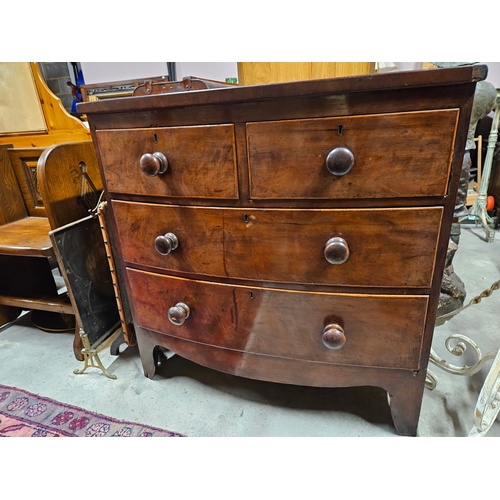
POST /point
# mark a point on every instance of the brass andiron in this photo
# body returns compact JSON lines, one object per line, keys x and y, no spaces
{"x":89,"y":356}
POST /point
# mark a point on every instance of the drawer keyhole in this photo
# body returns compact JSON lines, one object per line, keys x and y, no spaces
{"x":155,"y":138}
{"x":340,"y":129}
{"x":246,"y":218}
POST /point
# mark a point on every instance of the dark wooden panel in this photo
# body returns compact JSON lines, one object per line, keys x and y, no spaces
{"x":290,"y":108}
{"x":24,"y":161}
{"x":395,"y":155}
{"x":391,"y":248}
{"x":202,"y":161}
{"x":380,"y":330}
{"x":11,"y":200}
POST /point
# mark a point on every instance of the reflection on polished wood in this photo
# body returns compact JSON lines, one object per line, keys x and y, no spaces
{"x":278,"y":322}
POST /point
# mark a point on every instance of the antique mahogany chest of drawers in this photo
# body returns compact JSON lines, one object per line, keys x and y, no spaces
{"x":295,"y":232}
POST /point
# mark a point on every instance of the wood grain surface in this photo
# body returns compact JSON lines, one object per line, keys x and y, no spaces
{"x":395,"y":155}
{"x":384,"y":331}
{"x":391,"y":248}
{"x":201,"y":161}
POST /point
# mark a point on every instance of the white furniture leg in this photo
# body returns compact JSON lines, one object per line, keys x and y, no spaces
{"x":488,"y":404}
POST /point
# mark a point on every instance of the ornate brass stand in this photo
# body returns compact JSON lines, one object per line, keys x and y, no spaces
{"x":90,"y":355}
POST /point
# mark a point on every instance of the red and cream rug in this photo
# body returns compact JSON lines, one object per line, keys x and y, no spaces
{"x":23,"y":414}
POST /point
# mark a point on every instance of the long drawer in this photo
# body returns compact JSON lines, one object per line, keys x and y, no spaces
{"x":374,"y":156}
{"x":201,"y":161}
{"x":381,"y":247}
{"x":379,"y":330}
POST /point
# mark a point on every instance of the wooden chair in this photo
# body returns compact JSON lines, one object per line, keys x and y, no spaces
{"x":32,"y":119}
{"x":26,"y":253}
{"x":69,"y":182}
{"x":42,"y":189}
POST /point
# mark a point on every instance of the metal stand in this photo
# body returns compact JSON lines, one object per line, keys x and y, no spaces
{"x":488,"y":404}
{"x":478,"y":209}
{"x":90,"y":355}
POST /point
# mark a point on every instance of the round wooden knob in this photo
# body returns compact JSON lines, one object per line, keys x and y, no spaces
{"x":339,"y":161}
{"x":336,"y":250}
{"x":166,"y":243}
{"x":153,"y":164}
{"x":333,"y":336}
{"x":179,"y":313}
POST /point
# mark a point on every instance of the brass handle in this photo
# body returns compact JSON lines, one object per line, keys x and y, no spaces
{"x":166,"y":243}
{"x":339,"y":161}
{"x":336,"y":250}
{"x":179,"y":313}
{"x":153,"y":164}
{"x":333,"y":336}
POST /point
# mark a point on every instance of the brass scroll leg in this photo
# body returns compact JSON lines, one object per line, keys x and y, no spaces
{"x":91,"y":358}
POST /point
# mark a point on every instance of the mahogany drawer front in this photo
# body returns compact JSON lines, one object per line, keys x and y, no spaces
{"x":380,"y":330}
{"x":386,"y":247}
{"x":394,"y":155}
{"x":201,"y":161}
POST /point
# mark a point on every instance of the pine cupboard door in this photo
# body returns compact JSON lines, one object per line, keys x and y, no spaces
{"x":255,"y":73}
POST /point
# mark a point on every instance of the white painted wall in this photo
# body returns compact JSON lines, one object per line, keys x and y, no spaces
{"x":493,"y":70}
{"x":101,"y":72}
{"x":493,"y":73}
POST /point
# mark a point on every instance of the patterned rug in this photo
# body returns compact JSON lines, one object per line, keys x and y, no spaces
{"x":23,"y":414}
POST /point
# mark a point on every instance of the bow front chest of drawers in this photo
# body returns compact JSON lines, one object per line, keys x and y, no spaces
{"x":294,"y":233}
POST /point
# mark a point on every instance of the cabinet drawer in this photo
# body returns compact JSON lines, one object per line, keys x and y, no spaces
{"x":386,"y":247}
{"x":380,"y":330}
{"x":393,"y":155}
{"x":201,"y":161}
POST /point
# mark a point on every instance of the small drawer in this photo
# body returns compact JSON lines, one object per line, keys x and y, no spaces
{"x":352,"y":247}
{"x":374,"y":156}
{"x":364,"y":330}
{"x":199,"y":162}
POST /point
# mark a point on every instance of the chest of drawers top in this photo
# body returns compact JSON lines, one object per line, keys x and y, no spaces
{"x":284,"y":142}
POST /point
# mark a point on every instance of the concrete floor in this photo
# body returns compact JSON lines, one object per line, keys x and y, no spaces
{"x":200,"y":402}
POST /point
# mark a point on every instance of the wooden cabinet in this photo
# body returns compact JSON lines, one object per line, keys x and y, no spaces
{"x":293,"y":232}
{"x":253,"y":73}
